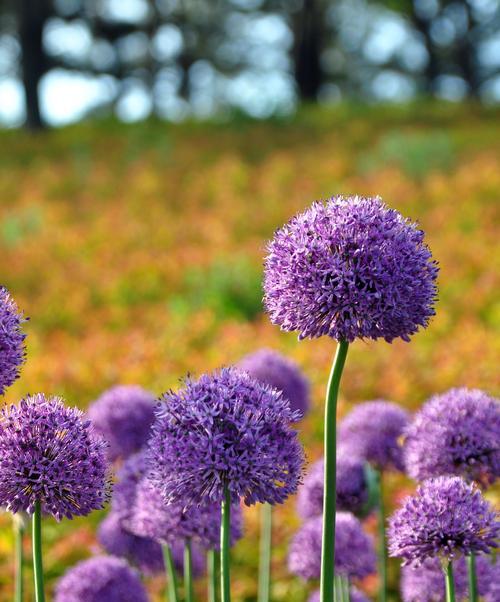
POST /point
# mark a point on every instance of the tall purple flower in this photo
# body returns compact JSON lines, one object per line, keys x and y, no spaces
{"x":426,"y":583}
{"x":272,"y":368}
{"x":101,"y":579}
{"x":355,"y":595}
{"x":225,"y":430}
{"x":128,"y":476}
{"x":457,"y":433}
{"x":123,"y":416}
{"x":144,"y":553}
{"x":350,"y":268}
{"x":446,"y":518}
{"x":50,"y":454}
{"x":352,"y":487}
{"x":152,"y":517}
{"x":354,"y":551}
{"x":372,"y":431}
{"x":12,"y":350}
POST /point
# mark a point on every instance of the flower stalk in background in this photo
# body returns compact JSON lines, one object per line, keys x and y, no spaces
{"x":19,"y":530}
{"x":349,"y":268}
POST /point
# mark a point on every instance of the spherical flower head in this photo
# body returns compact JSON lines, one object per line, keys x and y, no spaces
{"x":101,"y":579}
{"x":142,"y":552}
{"x":372,"y":431}
{"x":355,"y":595}
{"x":354,"y":551}
{"x":12,"y":350}
{"x":352,"y":487}
{"x":458,"y":433}
{"x":350,"y":268}
{"x":446,"y":518}
{"x":152,"y":517}
{"x":426,"y":583}
{"x":50,"y":454}
{"x":225,"y":430}
{"x":123,"y":416}
{"x":272,"y":368}
{"x":132,"y":471}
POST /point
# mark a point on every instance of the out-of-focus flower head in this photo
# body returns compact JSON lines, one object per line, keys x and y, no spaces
{"x":350,"y":268}
{"x":12,"y":349}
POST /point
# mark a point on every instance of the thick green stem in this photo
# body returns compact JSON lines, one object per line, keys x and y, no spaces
{"x":471,"y":569}
{"x":450,"y":583}
{"x":37,"y":553}
{"x":266,"y":518}
{"x":330,"y":480}
{"x":171,"y":576}
{"x":188,"y":572}
{"x":382,"y":546}
{"x":225,"y":576}
{"x":212,"y":570}
{"x":19,"y":557}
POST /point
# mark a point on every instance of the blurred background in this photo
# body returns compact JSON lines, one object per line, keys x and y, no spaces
{"x":136,"y":248}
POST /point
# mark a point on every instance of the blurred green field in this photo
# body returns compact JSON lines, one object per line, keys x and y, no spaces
{"x":137,"y":251}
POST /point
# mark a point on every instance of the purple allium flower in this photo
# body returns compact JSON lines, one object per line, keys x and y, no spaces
{"x":101,"y":579}
{"x":12,"y":351}
{"x":355,"y":595}
{"x":350,"y":268}
{"x":458,"y":433}
{"x":372,"y":431}
{"x":142,"y":552}
{"x":50,"y":453}
{"x":225,"y":429}
{"x":272,"y":368}
{"x":354,"y":551}
{"x":127,"y":478}
{"x":152,"y":517}
{"x":426,"y":583}
{"x":447,"y":517}
{"x":123,"y":416}
{"x":352,"y":488}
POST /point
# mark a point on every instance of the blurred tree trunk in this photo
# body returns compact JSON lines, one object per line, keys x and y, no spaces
{"x":432,"y":69}
{"x":308,"y":45}
{"x":32,"y":15}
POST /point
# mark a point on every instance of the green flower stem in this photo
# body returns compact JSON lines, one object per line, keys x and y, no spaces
{"x":188,"y":572}
{"x":225,"y":577}
{"x":266,"y":518}
{"x":171,"y":576}
{"x":19,"y":529}
{"x":450,"y":584}
{"x":382,"y":546}
{"x":337,"y":596}
{"x":471,"y":569}
{"x":37,"y":553}
{"x":330,"y":487}
{"x":345,"y":589}
{"x":213,"y":561}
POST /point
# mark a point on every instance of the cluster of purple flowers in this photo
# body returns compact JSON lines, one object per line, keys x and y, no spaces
{"x":12,"y":350}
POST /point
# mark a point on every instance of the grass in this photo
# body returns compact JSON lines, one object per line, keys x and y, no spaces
{"x":137,"y":250}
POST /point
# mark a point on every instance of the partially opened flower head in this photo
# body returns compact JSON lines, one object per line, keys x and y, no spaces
{"x":278,"y":371}
{"x":446,"y":518}
{"x":457,"y":432}
{"x":49,"y":453}
{"x":225,"y":430}
{"x":123,"y":416}
{"x":101,"y":579}
{"x":12,"y":350}
{"x":372,"y":431}
{"x":350,"y":268}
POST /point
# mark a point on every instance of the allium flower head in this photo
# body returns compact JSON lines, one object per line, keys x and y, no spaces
{"x":101,"y":579}
{"x":272,"y":368}
{"x":352,"y":487}
{"x":354,"y":551}
{"x":458,"y":433}
{"x":123,"y":416}
{"x":50,"y":453}
{"x":144,"y":553}
{"x":355,"y":595}
{"x":152,"y":517}
{"x":128,"y":476}
{"x":12,"y":351}
{"x":446,"y":518}
{"x":426,"y":582}
{"x":350,"y":268}
{"x":225,"y":429}
{"x":372,"y":431}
